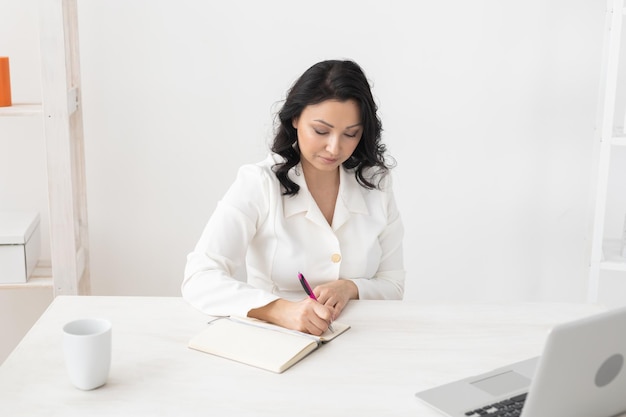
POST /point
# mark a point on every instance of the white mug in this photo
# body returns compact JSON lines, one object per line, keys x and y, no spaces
{"x":87,"y":349}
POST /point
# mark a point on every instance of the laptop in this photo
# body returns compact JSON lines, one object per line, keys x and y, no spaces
{"x":581,"y":373}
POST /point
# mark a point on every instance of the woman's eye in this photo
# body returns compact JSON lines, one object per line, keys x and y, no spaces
{"x":319,"y":132}
{"x":351,"y":135}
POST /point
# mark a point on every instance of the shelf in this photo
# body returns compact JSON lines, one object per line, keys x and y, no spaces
{"x":40,"y":278}
{"x":613,"y":259}
{"x":21,"y":109}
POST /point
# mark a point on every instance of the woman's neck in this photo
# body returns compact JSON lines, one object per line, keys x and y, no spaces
{"x":324,"y":187}
{"x":318,"y":178}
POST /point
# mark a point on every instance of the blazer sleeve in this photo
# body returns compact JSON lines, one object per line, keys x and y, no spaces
{"x":388,"y":282}
{"x":209,"y":282}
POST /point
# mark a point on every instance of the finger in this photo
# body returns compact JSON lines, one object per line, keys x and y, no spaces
{"x":326,"y":300}
{"x":329,"y":298}
{"x":316,"y":325}
{"x":313,"y":317}
{"x":327,"y":316}
{"x":323,"y":311}
{"x":338,"y":309}
{"x":317,"y":328}
{"x":321,"y":294}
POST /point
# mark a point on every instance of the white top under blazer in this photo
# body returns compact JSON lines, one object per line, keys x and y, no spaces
{"x":277,"y":236}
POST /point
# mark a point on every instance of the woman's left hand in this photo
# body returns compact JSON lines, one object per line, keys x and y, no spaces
{"x":336,"y":294}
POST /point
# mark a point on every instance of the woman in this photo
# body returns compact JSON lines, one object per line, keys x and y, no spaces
{"x":321,"y":204}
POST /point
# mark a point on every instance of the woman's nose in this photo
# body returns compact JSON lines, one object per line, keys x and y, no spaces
{"x":332,"y":146}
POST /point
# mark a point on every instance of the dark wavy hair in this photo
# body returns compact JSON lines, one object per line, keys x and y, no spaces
{"x":332,"y":80}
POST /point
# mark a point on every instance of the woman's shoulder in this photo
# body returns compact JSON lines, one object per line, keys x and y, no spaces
{"x":253,"y":184}
{"x":258,"y":176}
{"x":261,"y":170}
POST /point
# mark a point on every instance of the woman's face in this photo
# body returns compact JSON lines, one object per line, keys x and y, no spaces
{"x":328,"y":133}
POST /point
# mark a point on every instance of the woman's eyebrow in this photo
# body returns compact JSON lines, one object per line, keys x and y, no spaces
{"x":331,"y":126}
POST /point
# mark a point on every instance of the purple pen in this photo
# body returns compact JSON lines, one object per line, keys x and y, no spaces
{"x":310,"y":293}
{"x":306,"y":286}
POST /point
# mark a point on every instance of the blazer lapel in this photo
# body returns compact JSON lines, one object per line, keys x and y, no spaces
{"x":350,"y":199}
{"x":302,"y":202}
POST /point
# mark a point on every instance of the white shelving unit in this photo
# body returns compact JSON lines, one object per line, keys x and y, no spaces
{"x":61,"y":111}
{"x":21,"y":109}
{"x":606,"y":253}
{"x":42,"y":275}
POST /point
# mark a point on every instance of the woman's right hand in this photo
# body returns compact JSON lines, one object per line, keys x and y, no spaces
{"x":307,"y":316}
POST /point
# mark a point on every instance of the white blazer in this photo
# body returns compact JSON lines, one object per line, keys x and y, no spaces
{"x":277,"y":236}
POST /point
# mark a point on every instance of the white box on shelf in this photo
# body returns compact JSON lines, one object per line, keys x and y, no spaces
{"x":20,"y":243}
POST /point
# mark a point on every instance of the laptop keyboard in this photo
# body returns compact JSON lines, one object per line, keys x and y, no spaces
{"x":507,"y":408}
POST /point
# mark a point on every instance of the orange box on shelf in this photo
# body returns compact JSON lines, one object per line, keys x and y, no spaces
{"x":5,"y":82}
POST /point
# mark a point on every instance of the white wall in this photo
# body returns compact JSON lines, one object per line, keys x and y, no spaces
{"x":488,"y":106}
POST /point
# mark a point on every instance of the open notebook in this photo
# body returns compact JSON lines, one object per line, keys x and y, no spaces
{"x":258,"y":343}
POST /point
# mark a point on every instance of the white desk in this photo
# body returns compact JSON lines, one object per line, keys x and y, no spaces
{"x":392,"y":350}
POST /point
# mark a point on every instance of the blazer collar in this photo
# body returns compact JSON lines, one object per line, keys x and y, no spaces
{"x":349,"y":200}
